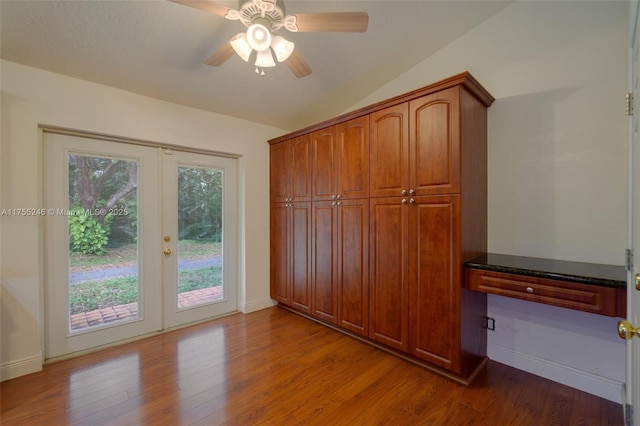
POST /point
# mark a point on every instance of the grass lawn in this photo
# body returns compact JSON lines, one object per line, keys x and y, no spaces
{"x":95,"y":294}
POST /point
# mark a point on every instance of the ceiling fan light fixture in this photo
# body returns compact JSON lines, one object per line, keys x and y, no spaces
{"x":259,"y":37}
{"x":241,"y":46}
{"x":264,"y":59}
{"x":282,"y":48}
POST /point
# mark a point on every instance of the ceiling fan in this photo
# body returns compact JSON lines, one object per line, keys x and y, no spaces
{"x":264,"y":17}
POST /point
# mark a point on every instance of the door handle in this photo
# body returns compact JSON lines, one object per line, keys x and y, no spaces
{"x":166,"y":251}
{"x":626,"y":330}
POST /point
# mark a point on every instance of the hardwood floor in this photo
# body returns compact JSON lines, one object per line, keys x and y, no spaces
{"x":274,"y":367}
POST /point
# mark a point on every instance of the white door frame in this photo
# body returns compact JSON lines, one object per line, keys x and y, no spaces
{"x":632,"y":388}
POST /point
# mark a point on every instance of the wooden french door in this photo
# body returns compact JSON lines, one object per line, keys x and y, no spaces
{"x":137,"y":239}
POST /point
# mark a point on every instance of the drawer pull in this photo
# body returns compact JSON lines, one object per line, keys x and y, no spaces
{"x":530,"y":290}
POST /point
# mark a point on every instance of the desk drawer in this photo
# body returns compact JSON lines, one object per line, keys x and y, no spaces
{"x":594,"y":299}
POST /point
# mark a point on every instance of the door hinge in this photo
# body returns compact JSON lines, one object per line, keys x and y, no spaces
{"x":628,"y":109}
{"x":628,"y":259}
{"x":628,"y":415}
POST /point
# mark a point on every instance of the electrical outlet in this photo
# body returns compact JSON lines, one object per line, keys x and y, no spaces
{"x":491,"y":324}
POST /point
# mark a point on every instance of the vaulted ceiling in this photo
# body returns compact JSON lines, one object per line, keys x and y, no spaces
{"x":157,"y":48}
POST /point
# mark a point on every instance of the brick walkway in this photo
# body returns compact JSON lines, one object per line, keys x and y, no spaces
{"x":130,"y":311}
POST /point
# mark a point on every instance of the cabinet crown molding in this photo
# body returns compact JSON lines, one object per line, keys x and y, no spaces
{"x":464,"y":79}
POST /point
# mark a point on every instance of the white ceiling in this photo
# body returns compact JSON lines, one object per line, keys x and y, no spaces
{"x":157,"y":48}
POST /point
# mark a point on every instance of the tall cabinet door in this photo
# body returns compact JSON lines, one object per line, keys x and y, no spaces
{"x":280,"y":247}
{"x":389,"y":151}
{"x":325,"y":185}
{"x":279,"y":180}
{"x":389,"y":271}
{"x":300,"y":255}
{"x":325,"y":256}
{"x":352,"y":158}
{"x":434,"y":143}
{"x":300,"y":168}
{"x":353,"y":265}
{"x":435,"y":277}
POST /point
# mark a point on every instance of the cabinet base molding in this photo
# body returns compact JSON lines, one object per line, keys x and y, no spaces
{"x":466,"y":381}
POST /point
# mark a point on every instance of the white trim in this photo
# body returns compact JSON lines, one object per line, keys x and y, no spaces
{"x":12,"y":369}
{"x":578,"y":379}
{"x":256,"y":305}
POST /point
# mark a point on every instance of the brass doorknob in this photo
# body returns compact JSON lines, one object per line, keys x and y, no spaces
{"x":626,"y":330}
{"x":167,"y":251}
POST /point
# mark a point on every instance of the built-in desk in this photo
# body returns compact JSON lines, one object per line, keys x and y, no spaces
{"x":589,"y":287}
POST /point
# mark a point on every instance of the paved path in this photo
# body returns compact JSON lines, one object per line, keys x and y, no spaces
{"x":119,"y":272}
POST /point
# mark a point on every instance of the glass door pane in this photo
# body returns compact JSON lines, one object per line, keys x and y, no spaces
{"x":103,"y":271}
{"x":200,"y":233}
{"x":199,"y":237}
{"x":104,"y":286}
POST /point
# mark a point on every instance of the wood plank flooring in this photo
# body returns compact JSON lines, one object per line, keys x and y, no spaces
{"x":273,"y":367}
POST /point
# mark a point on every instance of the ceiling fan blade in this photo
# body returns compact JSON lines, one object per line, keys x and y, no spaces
{"x":206,"y":5}
{"x":348,"y":22}
{"x":221,"y":55}
{"x":297,"y":65}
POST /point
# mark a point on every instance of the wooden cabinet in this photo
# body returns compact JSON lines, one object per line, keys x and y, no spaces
{"x":389,"y":273}
{"x":398,"y":202}
{"x":389,"y":151}
{"x":291,"y":254}
{"x":290,"y":170}
{"x":434,"y":143}
{"x":415,"y":276}
{"x":435,"y":279}
{"x":340,"y":282}
{"x":341,"y":161}
{"x":415,"y":147}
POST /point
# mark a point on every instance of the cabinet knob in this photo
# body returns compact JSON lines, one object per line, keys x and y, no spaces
{"x":411,"y":191}
{"x":333,"y":197}
{"x":404,"y":201}
{"x":412,"y":201}
{"x":338,"y":196}
{"x":530,"y":290}
{"x":339,"y":203}
{"x":403,"y":192}
{"x":333,"y":204}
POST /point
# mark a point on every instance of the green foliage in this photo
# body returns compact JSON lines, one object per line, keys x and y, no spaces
{"x":200,"y":204}
{"x":86,"y":234}
{"x":101,"y":178}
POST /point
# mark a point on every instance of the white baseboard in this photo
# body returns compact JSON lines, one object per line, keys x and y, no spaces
{"x":578,"y":379}
{"x":256,"y":305}
{"x":12,"y":369}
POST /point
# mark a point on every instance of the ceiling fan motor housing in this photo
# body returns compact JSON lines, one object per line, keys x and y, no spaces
{"x":266,"y":12}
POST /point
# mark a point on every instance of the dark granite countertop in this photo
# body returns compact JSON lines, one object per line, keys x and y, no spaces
{"x":577,"y":272}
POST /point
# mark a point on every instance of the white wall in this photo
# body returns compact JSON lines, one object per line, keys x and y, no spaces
{"x":557,"y":168}
{"x":31,"y":97}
